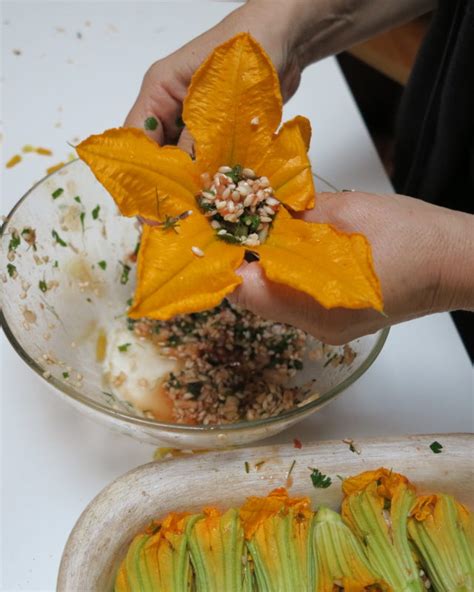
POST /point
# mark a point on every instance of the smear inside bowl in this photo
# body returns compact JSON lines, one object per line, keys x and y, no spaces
{"x":68,"y":272}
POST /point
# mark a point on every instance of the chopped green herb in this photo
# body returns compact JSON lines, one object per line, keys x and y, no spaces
{"x":179,"y":122}
{"x":59,"y":191}
{"x":194,"y":388}
{"x":56,"y":263}
{"x":252,"y":221}
{"x":340,"y":477}
{"x":151,"y":123}
{"x":11,"y":270}
{"x":291,"y":469}
{"x":78,"y":199}
{"x":124,"y":347}
{"x":137,"y":248}
{"x":170,"y":223}
{"x":82,"y":215}
{"x":95,"y":212}
{"x":58,"y":239}
{"x":102,"y":265}
{"x":43,"y":286}
{"x":125,"y":272}
{"x":14,"y":242}
{"x":229,"y":238}
{"x":329,"y":360}
{"x":89,"y":299}
{"x":296,"y":364}
{"x":319,"y":480}
{"x":173,"y":340}
{"x":436,"y":447}
{"x":236,"y":173}
{"x":247,"y":467}
{"x":129,"y":302}
{"x":66,"y":375}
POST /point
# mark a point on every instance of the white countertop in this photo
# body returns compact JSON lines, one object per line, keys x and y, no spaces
{"x":54,"y":461}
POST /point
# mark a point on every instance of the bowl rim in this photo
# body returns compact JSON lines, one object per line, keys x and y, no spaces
{"x":154,"y":424}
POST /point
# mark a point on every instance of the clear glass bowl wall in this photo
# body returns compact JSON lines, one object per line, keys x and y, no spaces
{"x":55,"y":331}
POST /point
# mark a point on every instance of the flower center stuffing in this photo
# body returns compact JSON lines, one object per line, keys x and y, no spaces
{"x":240,"y":205}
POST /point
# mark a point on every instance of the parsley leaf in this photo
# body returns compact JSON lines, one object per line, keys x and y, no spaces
{"x":66,"y":375}
{"x":78,"y":199}
{"x":14,"y":242}
{"x":319,"y":480}
{"x":58,"y":239}
{"x":11,"y":270}
{"x":436,"y":447}
{"x":125,"y":272}
{"x":236,"y":173}
{"x":124,"y":347}
{"x":95,"y":212}
{"x":102,"y":265}
{"x":43,"y":286}
{"x":59,"y":191}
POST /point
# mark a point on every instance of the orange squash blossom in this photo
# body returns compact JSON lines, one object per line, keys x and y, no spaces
{"x":233,"y":110}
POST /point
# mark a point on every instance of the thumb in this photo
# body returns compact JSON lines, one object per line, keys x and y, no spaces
{"x":273,"y":301}
{"x":142,"y":117}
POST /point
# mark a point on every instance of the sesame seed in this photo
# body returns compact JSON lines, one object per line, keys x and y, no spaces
{"x":249,"y":173}
{"x":255,"y":121}
{"x":248,"y":200}
{"x":197,"y":251}
{"x":225,"y":169}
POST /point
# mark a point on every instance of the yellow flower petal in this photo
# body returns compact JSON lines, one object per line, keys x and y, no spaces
{"x":387,"y":482}
{"x":256,"y":510}
{"x":287,"y":166}
{"x":138,"y":173}
{"x":233,"y":104}
{"x":334,"y":268}
{"x":172,"y":279}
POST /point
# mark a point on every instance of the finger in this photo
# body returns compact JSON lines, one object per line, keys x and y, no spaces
{"x":142,"y":117}
{"x":321,"y":211}
{"x":157,"y":106}
{"x":186,"y":142}
{"x":275,"y":301}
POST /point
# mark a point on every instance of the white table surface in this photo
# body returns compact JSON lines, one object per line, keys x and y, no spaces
{"x":61,"y":87}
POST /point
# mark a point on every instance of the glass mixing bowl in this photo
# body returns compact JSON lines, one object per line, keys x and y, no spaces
{"x":57,"y":300}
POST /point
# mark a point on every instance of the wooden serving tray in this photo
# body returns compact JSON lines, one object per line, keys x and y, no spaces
{"x":103,"y":532}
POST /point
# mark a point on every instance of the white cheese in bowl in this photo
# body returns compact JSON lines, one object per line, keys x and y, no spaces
{"x":135,"y":370}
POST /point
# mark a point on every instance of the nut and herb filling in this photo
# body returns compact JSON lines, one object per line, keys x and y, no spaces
{"x":240,"y":205}
{"x":231,"y":364}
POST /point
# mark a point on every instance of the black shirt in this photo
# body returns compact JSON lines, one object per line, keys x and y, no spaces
{"x":434,"y":158}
